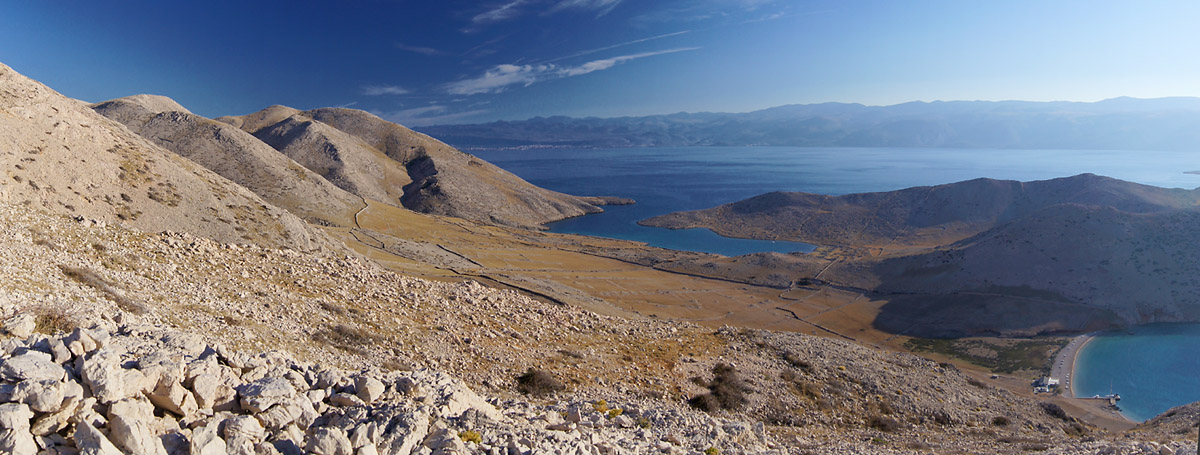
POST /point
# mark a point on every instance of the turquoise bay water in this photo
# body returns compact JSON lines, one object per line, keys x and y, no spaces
{"x":1153,"y":368}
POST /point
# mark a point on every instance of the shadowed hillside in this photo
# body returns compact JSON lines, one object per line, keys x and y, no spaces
{"x":1068,"y":267}
{"x":919,"y":215}
{"x":377,"y":159}
{"x":991,"y":257}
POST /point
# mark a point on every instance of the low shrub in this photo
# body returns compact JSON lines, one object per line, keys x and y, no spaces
{"x":881,"y":423}
{"x":538,"y":382}
{"x":51,"y":323}
{"x":795,"y":360}
{"x":941,"y":418}
{"x":471,"y":436}
{"x":1053,"y":410}
{"x":89,"y":278}
{"x":1000,"y":421}
{"x":725,"y":391}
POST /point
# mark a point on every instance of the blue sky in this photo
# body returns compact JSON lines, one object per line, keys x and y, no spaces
{"x":428,"y":62}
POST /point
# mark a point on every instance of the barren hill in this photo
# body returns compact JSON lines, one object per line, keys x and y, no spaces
{"x":990,"y":257}
{"x":60,"y":155}
{"x":920,"y":215}
{"x":236,"y":155}
{"x":1069,"y":267}
{"x":380,"y":160}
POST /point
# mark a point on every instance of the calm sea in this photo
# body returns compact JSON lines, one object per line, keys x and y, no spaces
{"x":1153,"y":369}
{"x":668,"y":179}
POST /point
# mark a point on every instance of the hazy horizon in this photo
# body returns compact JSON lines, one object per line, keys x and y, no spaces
{"x":467,"y":62}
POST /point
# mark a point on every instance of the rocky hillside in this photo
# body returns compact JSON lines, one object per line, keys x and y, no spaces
{"x":236,"y":155}
{"x":380,"y":160}
{"x":133,"y":328}
{"x":61,"y":156}
{"x":785,"y":392}
{"x":919,"y":215}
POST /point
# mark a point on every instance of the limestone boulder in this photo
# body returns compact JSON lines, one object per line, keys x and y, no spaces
{"x":329,"y":441}
{"x":91,"y":441}
{"x":206,"y":440}
{"x":15,"y":437}
{"x":43,"y":395}
{"x":260,"y":395}
{"x":108,"y":381}
{"x":130,"y":422}
{"x":242,"y":435}
{"x":32,"y":365}
{"x":368,"y":388}
{"x":20,"y":326}
{"x":173,"y":397}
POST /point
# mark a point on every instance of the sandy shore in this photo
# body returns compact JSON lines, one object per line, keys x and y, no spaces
{"x":1094,"y":411}
{"x":1064,"y":363}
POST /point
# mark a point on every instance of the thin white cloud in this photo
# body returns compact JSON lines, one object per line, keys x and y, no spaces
{"x":428,"y":115}
{"x":501,"y":13}
{"x":497,"y":78}
{"x":377,"y":90}
{"x":419,"y":49}
{"x":614,"y":46}
{"x":601,"y":7}
{"x":501,"y":77}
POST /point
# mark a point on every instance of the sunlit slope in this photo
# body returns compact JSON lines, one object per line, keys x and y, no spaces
{"x":60,"y":155}
{"x":236,"y":155}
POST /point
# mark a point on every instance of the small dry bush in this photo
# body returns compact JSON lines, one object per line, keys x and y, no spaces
{"x":50,"y":323}
{"x":347,"y":338}
{"x":881,"y":423}
{"x":725,"y":391}
{"x":91,"y":279}
{"x":795,"y":360}
{"x":1053,"y":410}
{"x":941,"y":418}
{"x":538,"y":382}
{"x":471,"y":436}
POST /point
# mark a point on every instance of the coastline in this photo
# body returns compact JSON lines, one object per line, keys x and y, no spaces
{"x":1095,"y":412}
{"x":1074,"y":359}
{"x":1065,"y":362}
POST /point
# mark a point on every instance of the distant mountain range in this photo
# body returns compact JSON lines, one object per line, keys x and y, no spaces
{"x":1113,"y":124}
